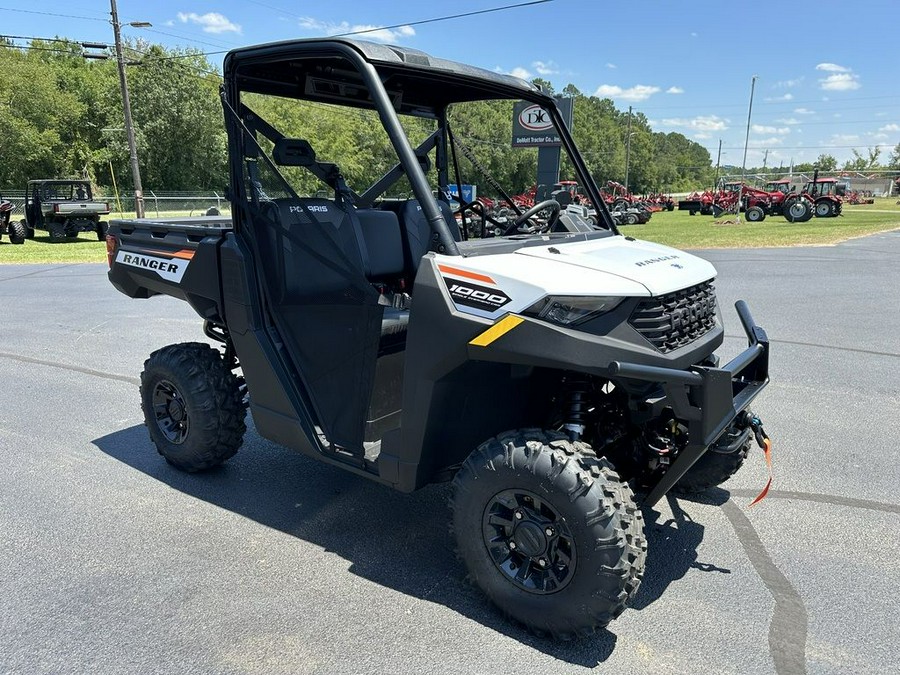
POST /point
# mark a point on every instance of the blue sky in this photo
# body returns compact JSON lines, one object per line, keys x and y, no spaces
{"x":828,"y":77}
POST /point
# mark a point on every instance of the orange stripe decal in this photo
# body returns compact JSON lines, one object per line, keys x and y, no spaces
{"x":184,"y":254}
{"x":465,"y":273}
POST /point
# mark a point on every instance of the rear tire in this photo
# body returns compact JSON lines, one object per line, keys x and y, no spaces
{"x":529,"y":496}
{"x":797,"y":211}
{"x":57,"y":232}
{"x":102,"y":229}
{"x":16,"y":233}
{"x":193,"y":406}
{"x":29,"y":231}
{"x":631,"y":219}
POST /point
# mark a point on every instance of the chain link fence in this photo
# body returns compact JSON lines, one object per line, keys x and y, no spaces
{"x":171,"y":204}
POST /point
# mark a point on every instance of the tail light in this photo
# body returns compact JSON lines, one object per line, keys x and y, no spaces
{"x":111,"y":245}
{"x":56,"y":208}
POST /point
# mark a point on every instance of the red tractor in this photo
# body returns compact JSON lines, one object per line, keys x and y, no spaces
{"x":778,"y":199}
{"x":826,"y":195}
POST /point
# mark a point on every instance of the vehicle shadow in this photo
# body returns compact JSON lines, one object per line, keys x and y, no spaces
{"x":400,"y":541}
{"x":672,"y":546}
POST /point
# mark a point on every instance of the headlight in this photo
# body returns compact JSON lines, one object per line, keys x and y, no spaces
{"x":568,"y":311}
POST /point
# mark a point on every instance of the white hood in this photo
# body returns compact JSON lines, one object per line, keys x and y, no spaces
{"x":659,"y":269}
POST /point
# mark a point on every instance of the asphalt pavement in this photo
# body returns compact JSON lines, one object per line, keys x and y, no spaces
{"x":112,"y":561}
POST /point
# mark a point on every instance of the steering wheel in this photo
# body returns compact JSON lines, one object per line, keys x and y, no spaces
{"x":517,"y":224}
{"x":478,"y":208}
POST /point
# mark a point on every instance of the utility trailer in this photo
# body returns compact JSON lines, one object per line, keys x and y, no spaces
{"x":561,"y":375}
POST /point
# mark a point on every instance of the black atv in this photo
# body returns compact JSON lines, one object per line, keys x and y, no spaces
{"x":11,"y":228}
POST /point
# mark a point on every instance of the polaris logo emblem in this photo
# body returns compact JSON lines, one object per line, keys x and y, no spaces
{"x":314,"y":208}
{"x":475,"y":296}
{"x":171,"y":269}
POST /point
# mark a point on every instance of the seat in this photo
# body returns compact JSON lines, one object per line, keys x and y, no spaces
{"x":382,"y":254}
{"x":418,"y":238}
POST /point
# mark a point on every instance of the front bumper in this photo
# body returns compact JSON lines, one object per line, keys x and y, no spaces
{"x":707,"y":398}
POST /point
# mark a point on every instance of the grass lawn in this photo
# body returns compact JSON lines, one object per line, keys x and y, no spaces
{"x":676,"y":228}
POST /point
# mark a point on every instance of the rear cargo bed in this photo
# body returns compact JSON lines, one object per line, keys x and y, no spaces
{"x":171,"y":256}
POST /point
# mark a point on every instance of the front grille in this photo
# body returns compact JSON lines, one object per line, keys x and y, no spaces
{"x":676,"y":319}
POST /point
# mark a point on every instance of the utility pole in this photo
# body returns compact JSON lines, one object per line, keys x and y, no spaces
{"x":718,"y":160}
{"x":628,"y":148}
{"x":126,"y":105}
{"x":765,"y":159}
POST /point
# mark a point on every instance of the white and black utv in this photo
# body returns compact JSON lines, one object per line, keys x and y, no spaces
{"x":550,"y":372}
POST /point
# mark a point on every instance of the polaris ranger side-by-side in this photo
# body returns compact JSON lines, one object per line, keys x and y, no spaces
{"x":63,"y":208}
{"x":550,"y":372}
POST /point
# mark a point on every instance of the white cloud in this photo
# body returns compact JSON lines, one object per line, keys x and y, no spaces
{"x":840,"y":82}
{"x":832,"y":68}
{"x":784,"y":97}
{"x":765,"y":142}
{"x":366,"y":31}
{"x":545,"y":68}
{"x":674,"y":90}
{"x":788,"y":120}
{"x":761,"y":129}
{"x":788,"y":84}
{"x":702,"y":136}
{"x":639,"y":92}
{"x":520,"y":72}
{"x":212,"y":22}
{"x":699,"y":123}
{"x":611,"y":66}
{"x":693,"y":35}
{"x":804,"y":111}
{"x":880,"y":137}
{"x":845,"y":138}
{"x":170,"y":22}
{"x":890,"y":127}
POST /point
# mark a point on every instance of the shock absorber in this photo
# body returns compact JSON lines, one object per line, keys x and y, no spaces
{"x":576,"y":404}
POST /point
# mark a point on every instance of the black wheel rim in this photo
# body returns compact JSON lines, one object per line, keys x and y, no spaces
{"x":170,"y":411}
{"x":529,"y":542}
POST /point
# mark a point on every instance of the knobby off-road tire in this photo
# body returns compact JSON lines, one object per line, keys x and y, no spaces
{"x":102,"y":229}
{"x":193,"y":406}
{"x":16,"y":233}
{"x":29,"y":231}
{"x":57,"y":232}
{"x":717,"y":464}
{"x":824,"y":209}
{"x":528,"y":496}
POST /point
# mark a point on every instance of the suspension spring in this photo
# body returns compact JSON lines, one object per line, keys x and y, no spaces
{"x":577,"y":404}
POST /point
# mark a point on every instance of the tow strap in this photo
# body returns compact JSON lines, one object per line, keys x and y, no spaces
{"x":764,"y":442}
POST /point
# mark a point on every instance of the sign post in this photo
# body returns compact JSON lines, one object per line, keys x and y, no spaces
{"x":532,"y":127}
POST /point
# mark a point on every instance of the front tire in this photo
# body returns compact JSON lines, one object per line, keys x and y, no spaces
{"x":193,"y":406}
{"x":824,"y":209}
{"x":755,"y":214}
{"x":719,"y":463}
{"x":549,"y":532}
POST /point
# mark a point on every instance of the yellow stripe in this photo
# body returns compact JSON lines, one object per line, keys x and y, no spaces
{"x":499,"y":329}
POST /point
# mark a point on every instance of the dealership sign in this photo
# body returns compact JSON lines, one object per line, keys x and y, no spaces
{"x":532,"y":125}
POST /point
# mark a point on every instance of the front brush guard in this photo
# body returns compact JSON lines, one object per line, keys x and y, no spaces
{"x":708,"y":399}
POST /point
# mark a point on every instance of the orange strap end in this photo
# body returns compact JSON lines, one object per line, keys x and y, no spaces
{"x":767,"y":451}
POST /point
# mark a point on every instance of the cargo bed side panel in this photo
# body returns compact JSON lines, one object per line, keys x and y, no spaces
{"x":171,"y":257}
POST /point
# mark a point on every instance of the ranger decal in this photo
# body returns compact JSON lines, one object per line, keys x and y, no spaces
{"x":171,"y":269}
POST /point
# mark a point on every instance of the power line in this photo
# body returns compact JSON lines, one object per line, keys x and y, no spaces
{"x":65,"y":16}
{"x":407,"y":23}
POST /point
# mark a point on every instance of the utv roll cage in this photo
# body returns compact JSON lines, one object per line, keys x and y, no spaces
{"x":392,"y":81}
